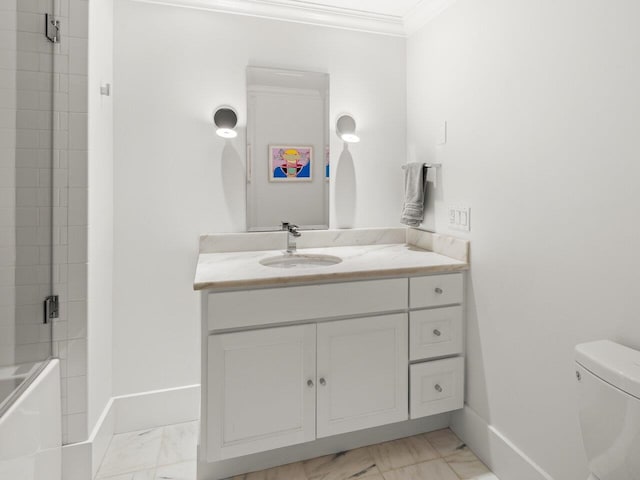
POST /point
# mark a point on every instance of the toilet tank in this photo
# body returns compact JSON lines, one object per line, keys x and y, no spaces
{"x":608,"y":378}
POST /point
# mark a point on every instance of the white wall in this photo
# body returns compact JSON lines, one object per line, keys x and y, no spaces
{"x":542,"y":105}
{"x":100,"y":235}
{"x":174,"y":179}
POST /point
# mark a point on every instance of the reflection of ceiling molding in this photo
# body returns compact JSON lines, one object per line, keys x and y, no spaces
{"x":316,"y":14}
{"x":279,"y":91}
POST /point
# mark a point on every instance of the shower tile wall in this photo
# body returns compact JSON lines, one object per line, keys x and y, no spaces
{"x":70,"y":214}
{"x":30,"y":80}
{"x":8,"y":100}
{"x":33,"y":194}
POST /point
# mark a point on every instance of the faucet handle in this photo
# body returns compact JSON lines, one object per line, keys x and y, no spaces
{"x":290,"y":227}
{"x":293,"y":229}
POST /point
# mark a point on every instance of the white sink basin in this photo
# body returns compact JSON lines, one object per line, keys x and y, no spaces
{"x":295,"y":260}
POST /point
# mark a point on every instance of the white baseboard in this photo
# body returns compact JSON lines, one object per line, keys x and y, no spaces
{"x":80,"y":461}
{"x":156,"y":408}
{"x":76,"y":461}
{"x":504,"y":458}
{"x":128,"y":413}
{"x":101,"y":436}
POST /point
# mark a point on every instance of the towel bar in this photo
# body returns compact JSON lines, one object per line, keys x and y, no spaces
{"x":428,"y":165}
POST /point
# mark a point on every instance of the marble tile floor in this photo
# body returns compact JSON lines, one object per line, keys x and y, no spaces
{"x":169,"y":453}
{"x":159,"y":453}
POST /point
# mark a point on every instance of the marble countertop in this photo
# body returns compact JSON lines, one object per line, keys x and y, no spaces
{"x":225,"y":270}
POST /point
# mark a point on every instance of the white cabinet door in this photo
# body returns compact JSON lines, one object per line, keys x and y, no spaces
{"x":261,"y":387}
{"x":362,"y":373}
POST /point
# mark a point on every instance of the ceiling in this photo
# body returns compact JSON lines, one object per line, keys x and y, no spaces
{"x":388,"y":17}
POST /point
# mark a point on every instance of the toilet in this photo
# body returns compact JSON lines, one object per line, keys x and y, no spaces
{"x":608,"y":377}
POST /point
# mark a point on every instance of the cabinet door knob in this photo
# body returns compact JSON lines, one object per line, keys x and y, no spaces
{"x":323,"y":382}
{"x":309,"y":383}
{"x":437,"y":332}
{"x":439,"y":290}
{"x":438,"y":388}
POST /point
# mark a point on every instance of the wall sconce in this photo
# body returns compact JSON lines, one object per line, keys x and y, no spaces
{"x":346,"y":129}
{"x":226,"y":120}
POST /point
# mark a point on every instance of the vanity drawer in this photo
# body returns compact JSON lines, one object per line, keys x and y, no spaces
{"x":229,"y":310}
{"x":435,"y":290}
{"x":436,"y":387}
{"x":435,"y":333}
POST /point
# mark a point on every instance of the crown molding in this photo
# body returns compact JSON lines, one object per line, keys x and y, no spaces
{"x":310,"y":13}
{"x":299,"y":12}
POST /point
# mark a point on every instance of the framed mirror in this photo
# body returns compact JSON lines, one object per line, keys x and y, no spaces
{"x":287,"y":149}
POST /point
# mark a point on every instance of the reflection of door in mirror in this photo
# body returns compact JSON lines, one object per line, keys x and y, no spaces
{"x":287,"y":149}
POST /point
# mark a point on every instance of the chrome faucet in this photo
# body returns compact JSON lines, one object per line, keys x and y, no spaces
{"x":292,"y":234}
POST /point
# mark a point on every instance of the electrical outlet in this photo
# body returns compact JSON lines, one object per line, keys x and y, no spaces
{"x":460,"y":218}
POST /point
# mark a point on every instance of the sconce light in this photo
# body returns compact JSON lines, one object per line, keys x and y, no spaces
{"x":346,"y":129}
{"x":226,"y":120}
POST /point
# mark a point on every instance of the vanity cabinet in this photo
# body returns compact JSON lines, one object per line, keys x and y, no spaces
{"x":294,"y":364}
{"x":269,"y":388}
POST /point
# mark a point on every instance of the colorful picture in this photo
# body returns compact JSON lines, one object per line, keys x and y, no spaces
{"x":290,"y":164}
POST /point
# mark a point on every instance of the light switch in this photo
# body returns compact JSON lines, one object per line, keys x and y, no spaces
{"x":460,"y":218}
{"x":452,"y":216}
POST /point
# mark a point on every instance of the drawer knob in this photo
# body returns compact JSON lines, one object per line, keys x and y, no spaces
{"x":438,"y":290}
{"x":309,"y":383}
{"x":438,"y":388}
{"x":437,"y":332}
{"x":323,"y":382}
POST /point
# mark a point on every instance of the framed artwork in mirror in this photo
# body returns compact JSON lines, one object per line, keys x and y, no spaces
{"x":290,"y":163}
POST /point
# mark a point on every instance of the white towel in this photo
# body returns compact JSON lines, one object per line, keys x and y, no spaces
{"x":415,"y":193}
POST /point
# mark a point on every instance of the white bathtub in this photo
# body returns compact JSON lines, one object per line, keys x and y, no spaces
{"x":30,"y":430}
{"x":12,"y":377}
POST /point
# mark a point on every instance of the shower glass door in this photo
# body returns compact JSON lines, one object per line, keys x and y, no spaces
{"x":27,"y":90}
